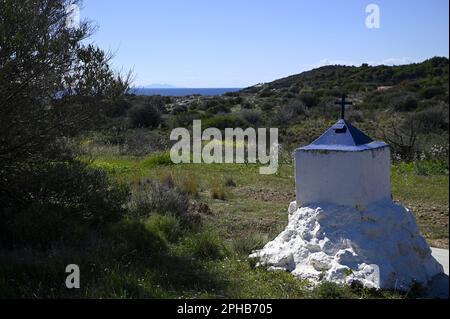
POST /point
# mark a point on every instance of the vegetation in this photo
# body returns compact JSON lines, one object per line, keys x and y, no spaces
{"x":86,"y":176}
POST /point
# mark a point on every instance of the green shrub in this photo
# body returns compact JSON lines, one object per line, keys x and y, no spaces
{"x":218,"y":191}
{"x":40,"y":226}
{"x":431,"y":167}
{"x":206,"y":245}
{"x":168,"y":181}
{"x":60,"y":201}
{"x":432,"y":119}
{"x":405,"y":103}
{"x":251,"y":116}
{"x":117,"y":108}
{"x":179,"y":109}
{"x":182,"y":119}
{"x":331,"y":290}
{"x":168,"y":226}
{"x":144,"y":115}
{"x":246,"y":244}
{"x":218,"y":109}
{"x":136,"y":239}
{"x":309,"y":99}
{"x":237,"y":100}
{"x":229,"y":182}
{"x":431,"y":92}
{"x":288,"y":112}
{"x":149,"y":197}
{"x":267,"y":106}
{"x":266,"y":93}
{"x":140,"y":142}
{"x":160,"y":158}
{"x":247,"y":105}
{"x":189,"y":184}
{"x":224,"y":121}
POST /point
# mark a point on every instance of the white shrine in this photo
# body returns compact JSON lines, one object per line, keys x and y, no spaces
{"x":344,"y":226}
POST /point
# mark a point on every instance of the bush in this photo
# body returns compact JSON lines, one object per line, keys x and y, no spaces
{"x":117,"y":108}
{"x":168,"y":226}
{"x":247,"y":105}
{"x":182,"y":119}
{"x":189,"y":185}
{"x":405,"y":103}
{"x":60,"y":201}
{"x":401,"y":135}
{"x":308,"y":99}
{"x":435,"y":118}
{"x":139,"y":142}
{"x":431,"y":167}
{"x":236,"y":100}
{"x":266,"y":93}
{"x":331,"y":290}
{"x":151,"y":197}
{"x":178,"y":109}
{"x":229,"y":182}
{"x":267,"y":106}
{"x":251,"y":116}
{"x":218,"y":191}
{"x":135,"y":239}
{"x":144,"y":115}
{"x":160,"y":158}
{"x":431,"y":92}
{"x":206,"y":245}
{"x":355,"y":116}
{"x":218,"y":109}
{"x":224,"y":121}
{"x":245,"y":245}
{"x":288,"y":112}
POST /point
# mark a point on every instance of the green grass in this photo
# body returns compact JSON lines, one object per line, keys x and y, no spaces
{"x":158,"y":257}
{"x":254,"y":211}
{"x":260,"y":201}
{"x":409,"y":185}
{"x":427,"y":197}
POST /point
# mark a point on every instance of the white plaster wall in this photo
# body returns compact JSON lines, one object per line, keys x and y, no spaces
{"x":380,"y":247}
{"x":354,"y":178}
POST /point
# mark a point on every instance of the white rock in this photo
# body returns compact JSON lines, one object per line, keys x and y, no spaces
{"x":380,"y":246}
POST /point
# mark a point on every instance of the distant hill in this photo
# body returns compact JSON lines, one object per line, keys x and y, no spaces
{"x":352,"y":78}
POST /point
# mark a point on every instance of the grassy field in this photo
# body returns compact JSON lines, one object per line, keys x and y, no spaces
{"x":247,"y":209}
{"x":240,"y":210}
{"x":258,"y":203}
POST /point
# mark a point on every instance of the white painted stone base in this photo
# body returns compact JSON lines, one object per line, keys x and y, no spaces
{"x":380,"y":246}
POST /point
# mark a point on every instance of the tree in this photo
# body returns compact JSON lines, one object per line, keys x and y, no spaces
{"x":402,"y":137}
{"x":49,"y":83}
{"x":50,"y":89}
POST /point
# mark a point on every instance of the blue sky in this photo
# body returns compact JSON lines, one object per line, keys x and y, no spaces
{"x":231,"y":43}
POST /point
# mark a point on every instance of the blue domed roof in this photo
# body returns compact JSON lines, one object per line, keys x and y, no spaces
{"x":343,"y":136}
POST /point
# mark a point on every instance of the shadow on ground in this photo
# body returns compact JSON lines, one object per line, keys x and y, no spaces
{"x":438,"y":287}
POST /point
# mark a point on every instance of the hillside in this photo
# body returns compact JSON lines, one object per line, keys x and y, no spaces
{"x":352,"y":78}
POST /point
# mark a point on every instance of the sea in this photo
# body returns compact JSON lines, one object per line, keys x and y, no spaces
{"x":183,"y":91}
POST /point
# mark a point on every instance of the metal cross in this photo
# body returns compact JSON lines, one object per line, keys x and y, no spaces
{"x":343,"y":103}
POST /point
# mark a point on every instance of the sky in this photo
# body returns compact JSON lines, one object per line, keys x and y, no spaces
{"x":238,"y":43}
